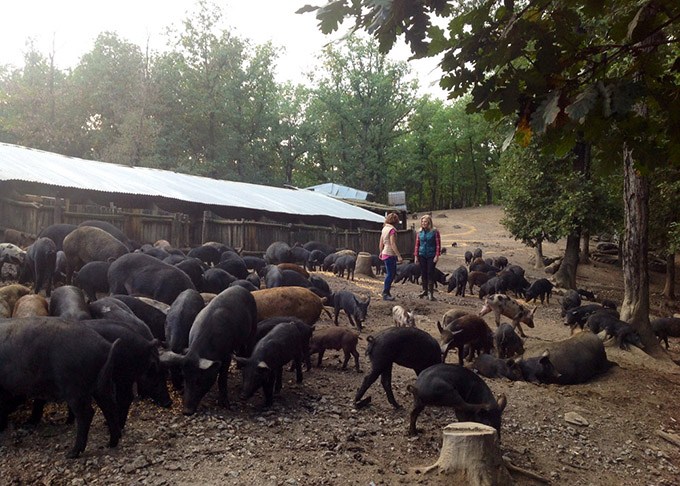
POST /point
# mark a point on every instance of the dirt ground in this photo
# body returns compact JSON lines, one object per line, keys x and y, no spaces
{"x":313,"y":435}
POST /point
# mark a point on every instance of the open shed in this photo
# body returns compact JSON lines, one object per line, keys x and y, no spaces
{"x":39,"y":188}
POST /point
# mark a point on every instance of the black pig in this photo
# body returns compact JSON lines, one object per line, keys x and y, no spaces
{"x":447,"y":385}
{"x":355,"y":309}
{"x":406,"y":346}
{"x":264,"y":368}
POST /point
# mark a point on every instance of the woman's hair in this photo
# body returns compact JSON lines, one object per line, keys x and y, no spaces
{"x":392,"y":219}
{"x":429,"y":220}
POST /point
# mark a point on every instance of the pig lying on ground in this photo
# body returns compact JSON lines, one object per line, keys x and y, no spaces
{"x":336,"y":338}
{"x":575,"y":360}
{"x":447,"y":385}
{"x":406,"y":346}
{"x":492,"y":367}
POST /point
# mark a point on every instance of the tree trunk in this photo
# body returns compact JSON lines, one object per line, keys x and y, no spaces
{"x":635,"y":305}
{"x":470,"y":455}
{"x":669,"y":286}
{"x":540,"y":263}
{"x":566,"y":275}
{"x":584,"y":257}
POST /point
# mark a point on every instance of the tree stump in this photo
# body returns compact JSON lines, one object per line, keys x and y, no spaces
{"x":363,"y":265}
{"x":470,"y":455}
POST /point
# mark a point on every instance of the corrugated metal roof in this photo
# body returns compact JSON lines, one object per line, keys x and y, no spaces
{"x":336,"y":190}
{"x":24,"y":164}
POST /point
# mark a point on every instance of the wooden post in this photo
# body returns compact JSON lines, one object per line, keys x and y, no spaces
{"x":470,"y":455}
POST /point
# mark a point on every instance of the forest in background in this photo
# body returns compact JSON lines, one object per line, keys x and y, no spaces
{"x":211,"y":106}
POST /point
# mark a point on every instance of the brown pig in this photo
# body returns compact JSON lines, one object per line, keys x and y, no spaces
{"x":31,"y":305}
{"x":336,"y":338}
{"x":9,"y":294}
{"x":289,"y":301}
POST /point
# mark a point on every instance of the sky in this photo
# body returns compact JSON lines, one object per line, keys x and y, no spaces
{"x":69,"y":28}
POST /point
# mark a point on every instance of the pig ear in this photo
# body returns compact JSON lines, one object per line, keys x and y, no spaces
{"x":206,"y":364}
{"x":439,"y":326}
{"x":262,"y":366}
{"x":546,"y":354}
{"x":170,"y":358}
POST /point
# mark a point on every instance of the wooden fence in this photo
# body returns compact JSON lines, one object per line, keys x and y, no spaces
{"x":148,"y":226}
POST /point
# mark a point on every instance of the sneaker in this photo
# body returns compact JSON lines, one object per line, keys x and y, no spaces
{"x":387,"y":297}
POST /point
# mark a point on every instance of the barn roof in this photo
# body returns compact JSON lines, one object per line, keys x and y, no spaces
{"x":39,"y":167}
{"x":339,"y":191}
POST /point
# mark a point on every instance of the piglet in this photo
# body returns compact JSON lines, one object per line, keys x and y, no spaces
{"x":402,"y":317}
{"x":336,"y":338}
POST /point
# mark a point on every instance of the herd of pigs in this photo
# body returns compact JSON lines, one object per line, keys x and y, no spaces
{"x":125,"y":319}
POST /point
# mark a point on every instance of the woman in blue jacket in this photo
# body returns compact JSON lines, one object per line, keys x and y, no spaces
{"x":427,"y":251}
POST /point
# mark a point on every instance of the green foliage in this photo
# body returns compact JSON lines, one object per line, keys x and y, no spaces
{"x":664,"y":200}
{"x":359,"y":108}
{"x":449,"y":155}
{"x":546,"y":201}
{"x":578,"y":66}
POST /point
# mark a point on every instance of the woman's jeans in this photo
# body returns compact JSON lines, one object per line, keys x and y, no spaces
{"x":390,"y":272}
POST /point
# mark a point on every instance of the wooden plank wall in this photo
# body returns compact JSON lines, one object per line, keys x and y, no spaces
{"x":148,"y":226}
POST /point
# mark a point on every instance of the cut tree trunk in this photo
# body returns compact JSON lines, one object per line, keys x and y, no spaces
{"x":470,"y":455}
{"x":566,"y":275}
{"x":363,"y":265}
{"x":634,"y":248}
